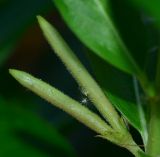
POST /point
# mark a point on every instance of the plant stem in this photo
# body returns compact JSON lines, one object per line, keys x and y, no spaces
{"x":153,"y":146}
{"x":154,"y":125}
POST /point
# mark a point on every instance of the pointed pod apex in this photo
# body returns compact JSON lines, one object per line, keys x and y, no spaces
{"x":43,"y":22}
{"x":40,"y":18}
{"x":48,"y":30}
{"x":15,"y":73}
{"x":22,"y":77}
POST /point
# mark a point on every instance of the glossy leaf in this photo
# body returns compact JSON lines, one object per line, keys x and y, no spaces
{"x":93,"y":26}
{"x":128,"y":110}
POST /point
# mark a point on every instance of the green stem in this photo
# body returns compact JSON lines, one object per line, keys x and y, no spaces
{"x":153,"y":146}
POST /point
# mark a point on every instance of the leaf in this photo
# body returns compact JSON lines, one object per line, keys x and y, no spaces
{"x":15,"y":17}
{"x":93,"y":26}
{"x":128,"y":109}
{"x":24,"y":133}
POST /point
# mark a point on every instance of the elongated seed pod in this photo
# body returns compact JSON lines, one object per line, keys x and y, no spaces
{"x":62,"y":101}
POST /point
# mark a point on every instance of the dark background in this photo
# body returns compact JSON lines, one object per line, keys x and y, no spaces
{"x":29,"y":126}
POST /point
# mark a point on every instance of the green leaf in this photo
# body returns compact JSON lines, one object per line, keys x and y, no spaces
{"x":132,"y":113}
{"x":16,"y":16}
{"x":24,"y":133}
{"x":128,"y":109}
{"x":93,"y":26}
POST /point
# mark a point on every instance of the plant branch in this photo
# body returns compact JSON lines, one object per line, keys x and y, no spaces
{"x":75,"y":109}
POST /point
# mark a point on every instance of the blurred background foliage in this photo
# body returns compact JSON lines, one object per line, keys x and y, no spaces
{"x":31,"y":127}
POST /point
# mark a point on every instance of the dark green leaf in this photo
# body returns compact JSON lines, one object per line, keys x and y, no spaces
{"x":128,"y":109}
{"x":91,"y":23}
